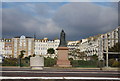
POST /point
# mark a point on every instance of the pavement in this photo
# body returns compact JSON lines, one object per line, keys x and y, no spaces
{"x":60,"y":73}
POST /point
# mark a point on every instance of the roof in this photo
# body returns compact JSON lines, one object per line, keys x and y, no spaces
{"x":20,"y":36}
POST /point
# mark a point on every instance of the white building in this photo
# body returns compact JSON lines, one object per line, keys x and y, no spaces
{"x":23,"y":43}
{"x":89,"y":47}
{"x":108,"y":39}
{"x":8,"y":48}
{"x":42,"y":45}
{"x":72,"y":45}
{"x":98,"y":44}
{"x":2,"y":46}
{"x":13,"y":47}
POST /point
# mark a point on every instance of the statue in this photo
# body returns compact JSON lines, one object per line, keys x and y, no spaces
{"x":62,"y":54}
{"x":62,"y":39}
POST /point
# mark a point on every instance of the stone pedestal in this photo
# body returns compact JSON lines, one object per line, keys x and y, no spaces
{"x":37,"y":63}
{"x":63,"y":57}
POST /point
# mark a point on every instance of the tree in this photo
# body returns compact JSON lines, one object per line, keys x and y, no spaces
{"x":94,"y":57}
{"x":21,"y":56}
{"x":77,"y":53}
{"x":29,"y":56}
{"x":51,"y":51}
{"x":34,"y":55}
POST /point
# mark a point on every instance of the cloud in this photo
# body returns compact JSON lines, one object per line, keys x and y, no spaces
{"x":85,"y":19}
{"x":0,"y":21}
{"x":60,"y":0}
{"x":79,"y":20}
{"x":27,"y":19}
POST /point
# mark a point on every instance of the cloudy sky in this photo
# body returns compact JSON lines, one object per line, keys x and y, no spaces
{"x":47,"y":19}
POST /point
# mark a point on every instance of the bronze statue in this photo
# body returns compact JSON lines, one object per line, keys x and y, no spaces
{"x":62,"y":39}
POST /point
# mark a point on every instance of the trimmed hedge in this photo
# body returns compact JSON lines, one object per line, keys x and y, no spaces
{"x":15,"y":62}
{"x":49,"y":62}
{"x":10,"y":62}
{"x":82,"y":63}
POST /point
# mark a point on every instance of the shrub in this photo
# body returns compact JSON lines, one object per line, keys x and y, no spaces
{"x":101,"y":63}
{"x":70,"y":59}
{"x":49,"y":62}
{"x":82,"y":63}
{"x":25,"y":62}
{"x":15,"y":62}
{"x":111,"y":61}
{"x":10,"y":62}
{"x":116,"y":64}
{"x":74,"y":63}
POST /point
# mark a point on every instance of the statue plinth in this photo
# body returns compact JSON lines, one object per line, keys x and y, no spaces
{"x":63,"y":57}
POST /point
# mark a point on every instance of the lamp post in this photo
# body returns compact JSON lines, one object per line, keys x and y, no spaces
{"x":107,"y":53}
{"x":107,"y":49}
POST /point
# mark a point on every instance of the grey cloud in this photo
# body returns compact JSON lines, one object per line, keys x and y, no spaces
{"x":13,"y":21}
{"x":0,"y":21}
{"x":85,"y":19}
{"x":17,"y":21}
{"x":79,"y":20}
{"x":41,"y":9}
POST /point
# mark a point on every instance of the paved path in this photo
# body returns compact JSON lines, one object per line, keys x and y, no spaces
{"x":60,"y":72}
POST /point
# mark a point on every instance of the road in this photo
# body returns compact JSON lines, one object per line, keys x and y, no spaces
{"x":59,"y":72}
